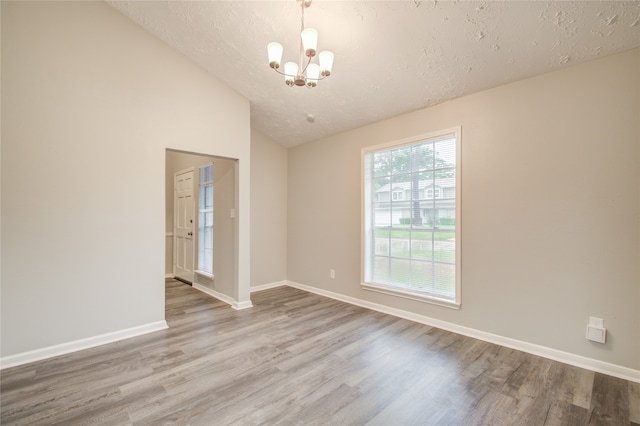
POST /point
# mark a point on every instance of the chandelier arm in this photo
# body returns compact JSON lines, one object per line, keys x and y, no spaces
{"x":283,"y":73}
{"x":305,"y":67}
{"x":320,"y":77}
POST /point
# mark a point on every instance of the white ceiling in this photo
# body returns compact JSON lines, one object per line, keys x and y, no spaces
{"x":391,"y":57}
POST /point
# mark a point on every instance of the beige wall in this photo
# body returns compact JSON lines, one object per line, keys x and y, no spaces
{"x":550,"y":208}
{"x":268,"y":211}
{"x":90,"y":103}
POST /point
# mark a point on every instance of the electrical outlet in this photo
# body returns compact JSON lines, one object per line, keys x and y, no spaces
{"x":332,"y":274}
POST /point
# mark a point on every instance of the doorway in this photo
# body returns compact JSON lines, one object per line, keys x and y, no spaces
{"x":182,"y":212}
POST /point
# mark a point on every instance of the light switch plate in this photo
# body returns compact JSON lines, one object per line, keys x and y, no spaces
{"x":596,"y":322}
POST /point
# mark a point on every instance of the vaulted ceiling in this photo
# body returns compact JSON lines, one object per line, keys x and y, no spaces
{"x":391,"y":57}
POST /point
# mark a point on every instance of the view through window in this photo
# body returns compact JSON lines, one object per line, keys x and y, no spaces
{"x":205,"y":220}
{"x":411,"y":223}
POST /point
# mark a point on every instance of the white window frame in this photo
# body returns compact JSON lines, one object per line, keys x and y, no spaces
{"x":202,"y":187}
{"x":366,"y":228}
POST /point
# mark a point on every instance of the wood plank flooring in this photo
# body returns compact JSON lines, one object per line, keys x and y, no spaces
{"x":300,"y":359}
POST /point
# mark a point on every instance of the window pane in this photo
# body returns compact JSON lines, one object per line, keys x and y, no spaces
{"x":401,"y":160}
{"x":422,"y":276}
{"x":382,"y":243}
{"x":381,"y":184}
{"x":400,"y":271}
{"x":208,"y":196}
{"x":445,"y":153}
{"x":422,"y":157}
{"x":208,"y":238}
{"x":382,"y":163}
{"x":205,"y":219}
{"x":444,"y":246}
{"x":400,"y":247}
{"x":422,"y":245}
{"x":444,"y":279}
{"x":410,"y":206}
{"x":206,"y":174}
{"x":419,"y":183}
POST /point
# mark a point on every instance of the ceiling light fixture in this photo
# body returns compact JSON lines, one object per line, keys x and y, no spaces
{"x":302,"y":74}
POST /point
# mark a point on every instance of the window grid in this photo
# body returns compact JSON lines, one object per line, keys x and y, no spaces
{"x":411,"y":242}
{"x":205,"y":220}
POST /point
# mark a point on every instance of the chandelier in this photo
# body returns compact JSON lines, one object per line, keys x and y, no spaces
{"x":305,"y":73}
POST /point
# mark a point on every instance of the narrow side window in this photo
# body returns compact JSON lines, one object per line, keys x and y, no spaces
{"x":205,"y":220}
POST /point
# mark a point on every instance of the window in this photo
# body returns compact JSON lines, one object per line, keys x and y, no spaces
{"x":205,"y":221}
{"x":411,"y":244}
{"x":398,"y":194}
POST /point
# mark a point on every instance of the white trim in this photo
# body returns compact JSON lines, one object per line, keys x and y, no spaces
{"x":267,"y":286}
{"x":204,"y":274}
{"x":238,"y":306}
{"x":224,"y":298}
{"x":412,"y":295}
{"x":543,"y":351}
{"x":169,"y":235}
{"x":78,"y":345}
{"x":410,"y":140}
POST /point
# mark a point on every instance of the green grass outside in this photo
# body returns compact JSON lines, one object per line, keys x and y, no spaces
{"x":443,"y":284}
{"x":416,"y":234}
{"x":448,"y":256}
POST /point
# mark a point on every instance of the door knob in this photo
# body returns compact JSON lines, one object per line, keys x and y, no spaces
{"x":189,"y":233}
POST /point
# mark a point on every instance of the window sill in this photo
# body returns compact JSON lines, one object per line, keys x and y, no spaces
{"x":204,"y":274}
{"x":411,"y":295}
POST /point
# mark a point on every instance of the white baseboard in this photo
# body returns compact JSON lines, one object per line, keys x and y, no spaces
{"x":223,"y":297}
{"x":238,"y":306}
{"x":543,"y":351}
{"x":267,"y":286}
{"x":168,"y":276}
{"x":78,"y":345}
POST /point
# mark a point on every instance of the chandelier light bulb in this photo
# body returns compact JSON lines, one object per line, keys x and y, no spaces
{"x":309,"y":41}
{"x":274,"y":51}
{"x":290,"y":73}
{"x":313,"y":74}
{"x":326,"y":62}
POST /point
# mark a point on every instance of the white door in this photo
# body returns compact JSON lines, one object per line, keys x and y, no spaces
{"x":183,"y":225}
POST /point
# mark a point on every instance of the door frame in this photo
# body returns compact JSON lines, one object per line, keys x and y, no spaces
{"x":241,"y":298}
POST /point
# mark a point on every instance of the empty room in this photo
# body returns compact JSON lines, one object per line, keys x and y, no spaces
{"x":320,"y":212}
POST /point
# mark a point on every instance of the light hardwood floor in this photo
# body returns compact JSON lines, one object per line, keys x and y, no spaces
{"x":300,"y":359}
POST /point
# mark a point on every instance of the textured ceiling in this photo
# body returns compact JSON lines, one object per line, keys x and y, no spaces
{"x":391,"y":57}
